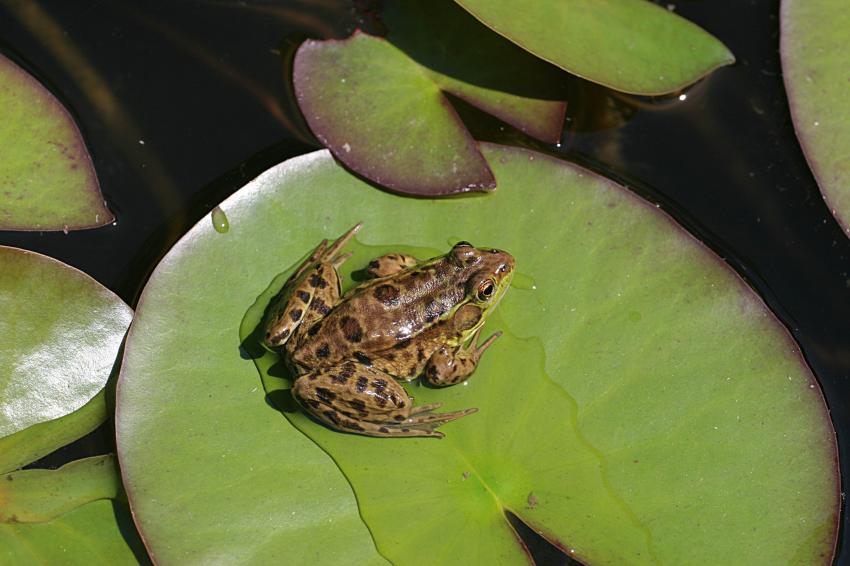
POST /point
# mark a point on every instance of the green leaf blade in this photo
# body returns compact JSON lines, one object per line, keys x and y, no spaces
{"x":814,"y":38}
{"x":47,"y":180}
{"x":632,"y":46}
{"x":37,"y":496}
{"x":30,"y":444}
{"x":60,"y":333}
{"x":91,"y":534}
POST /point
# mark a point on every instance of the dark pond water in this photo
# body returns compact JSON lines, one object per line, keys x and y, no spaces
{"x":182,"y":102}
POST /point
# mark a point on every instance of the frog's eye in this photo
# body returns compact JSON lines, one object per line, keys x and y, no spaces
{"x":485,"y":290}
{"x":463,"y":244}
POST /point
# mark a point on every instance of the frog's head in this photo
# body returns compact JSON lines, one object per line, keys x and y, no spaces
{"x":489,"y":276}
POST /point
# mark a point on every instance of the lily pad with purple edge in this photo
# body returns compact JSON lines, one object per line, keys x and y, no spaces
{"x":816,"y":68}
{"x":60,"y":332}
{"x":633,"y":46}
{"x":379,"y":104}
{"x":47,"y":180}
{"x":642,"y":405}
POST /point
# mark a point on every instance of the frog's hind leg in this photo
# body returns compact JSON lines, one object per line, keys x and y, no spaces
{"x":390,"y":264}
{"x":362,"y":400}
{"x":309,"y":294}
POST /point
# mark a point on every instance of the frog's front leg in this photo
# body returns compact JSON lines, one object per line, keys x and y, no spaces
{"x":448,"y":366}
{"x":355,"y":398}
{"x":309,"y":294}
{"x":390,"y":264}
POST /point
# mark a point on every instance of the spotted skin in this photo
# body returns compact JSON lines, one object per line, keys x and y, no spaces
{"x":412,"y":318}
{"x":390,"y":264}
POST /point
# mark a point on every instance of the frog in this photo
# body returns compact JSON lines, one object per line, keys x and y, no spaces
{"x":349,"y":353}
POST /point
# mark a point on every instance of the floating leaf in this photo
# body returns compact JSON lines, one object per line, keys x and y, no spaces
{"x":28,"y":445}
{"x":816,"y":69}
{"x":91,"y":534}
{"x":36,"y":496}
{"x":379,"y":104}
{"x":643,"y":405}
{"x":629,"y":45}
{"x":47,"y":180}
{"x":60,"y":331}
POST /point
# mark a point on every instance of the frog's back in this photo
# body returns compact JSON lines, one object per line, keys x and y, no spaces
{"x":380,"y":314}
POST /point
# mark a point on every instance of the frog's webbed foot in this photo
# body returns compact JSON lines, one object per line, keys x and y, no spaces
{"x":359,"y":399}
{"x":448,"y":366}
{"x":389,"y":264}
{"x":310,"y":293}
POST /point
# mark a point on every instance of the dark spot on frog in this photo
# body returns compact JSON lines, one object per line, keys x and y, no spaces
{"x":412,"y":372}
{"x":399,"y":417}
{"x":379,"y":385}
{"x":325,"y":395}
{"x":295,"y":314}
{"x":348,"y":370}
{"x":312,"y":377}
{"x":431,"y":371}
{"x":400,"y":404}
{"x":313,"y":403}
{"x":358,"y":404}
{"x":387,"y":294}
{"x":280,"y":335}
{"x":341,"y":378}
{"x":352,"y":425}
{"x":362,"y":382}
{"x":363,"y":358}
{"x":324,"y":350}
{"x":320,"y":306}
{"x":389,"y":356}
{"x":318,"y":281}
{"x":351,"y":329}
{"x":384,"y":429}
{"x":331,"y":416}
{"x":420,"y":354}
{"x":405,"y":430}
{"x":304,"y":296}
{"x":314,"y":329}
{"x":374,"y":264}
{"x":401,"y":344}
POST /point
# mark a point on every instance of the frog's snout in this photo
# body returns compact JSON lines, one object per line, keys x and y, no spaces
{"x":505,"y":263}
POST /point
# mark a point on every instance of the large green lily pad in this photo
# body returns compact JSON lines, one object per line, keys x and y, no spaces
{"x":816,"y":69}
{"x":642,"y":406}
{"x":60,"y":331}
{"x":47,"y":180}
{"x":629,"y":45}
{"x":379,"y":104}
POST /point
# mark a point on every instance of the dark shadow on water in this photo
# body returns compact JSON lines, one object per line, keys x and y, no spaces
{"x":128,"y":531}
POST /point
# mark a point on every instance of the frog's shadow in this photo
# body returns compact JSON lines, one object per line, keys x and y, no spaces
{"x":281,"y":400}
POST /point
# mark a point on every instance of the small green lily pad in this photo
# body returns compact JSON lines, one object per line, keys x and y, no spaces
{"x":816,"y":69}
{"x":59,"y":333}
{"x":379,"y":104}
{"x":47,"y":180}
{"x":632,"y":46}
{"x":642,"y":406}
